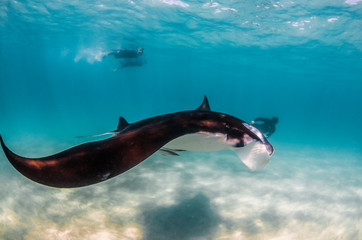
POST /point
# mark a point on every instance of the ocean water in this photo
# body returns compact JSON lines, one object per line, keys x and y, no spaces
{"x":298,"y":60}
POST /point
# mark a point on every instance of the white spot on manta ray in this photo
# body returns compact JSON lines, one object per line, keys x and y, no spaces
{"x":105,"y":176}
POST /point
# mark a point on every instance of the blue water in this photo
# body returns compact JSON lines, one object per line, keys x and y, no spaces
{"x":300,"y":61}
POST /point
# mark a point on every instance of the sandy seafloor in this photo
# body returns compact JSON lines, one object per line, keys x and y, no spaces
{"x":304,"y":193}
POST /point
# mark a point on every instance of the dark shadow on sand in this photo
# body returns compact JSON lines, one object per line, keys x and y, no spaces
{"x":191,"y":218}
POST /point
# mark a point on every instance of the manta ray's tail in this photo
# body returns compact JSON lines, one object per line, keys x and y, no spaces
{"x":12,"y":157}
{"x":5,"y":148}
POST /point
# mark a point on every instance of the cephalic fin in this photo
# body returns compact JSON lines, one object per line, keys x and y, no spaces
{"x":254,"y":155}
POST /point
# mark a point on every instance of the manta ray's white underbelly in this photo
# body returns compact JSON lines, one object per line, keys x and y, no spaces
{"x":201,"y":142}
{"x":254,"y":154}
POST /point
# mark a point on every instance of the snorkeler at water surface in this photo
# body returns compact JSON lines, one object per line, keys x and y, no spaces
{"x":128,"y":57}
{"x":126,"y":53}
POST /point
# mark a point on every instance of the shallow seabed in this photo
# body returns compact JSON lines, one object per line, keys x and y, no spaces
{"x":304,"y":193}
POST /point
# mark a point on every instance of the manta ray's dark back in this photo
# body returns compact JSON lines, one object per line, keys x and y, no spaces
{"x":94,"y":162}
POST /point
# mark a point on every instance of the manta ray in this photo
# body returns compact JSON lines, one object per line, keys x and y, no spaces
{"x":196,"y":130}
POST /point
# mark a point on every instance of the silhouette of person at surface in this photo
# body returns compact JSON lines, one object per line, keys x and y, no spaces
{"x":265,"y":125}
{"x":127,"y":53}
{"x":128,"y":57}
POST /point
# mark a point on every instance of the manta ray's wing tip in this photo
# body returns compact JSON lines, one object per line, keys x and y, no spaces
{"x":2,"y":141}
{"x":254,"y":155}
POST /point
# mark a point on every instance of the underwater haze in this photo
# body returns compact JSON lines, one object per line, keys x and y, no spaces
{"x":300,"y":61}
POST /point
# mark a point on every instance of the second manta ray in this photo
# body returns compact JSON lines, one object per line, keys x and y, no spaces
{"x":198,"y":130}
